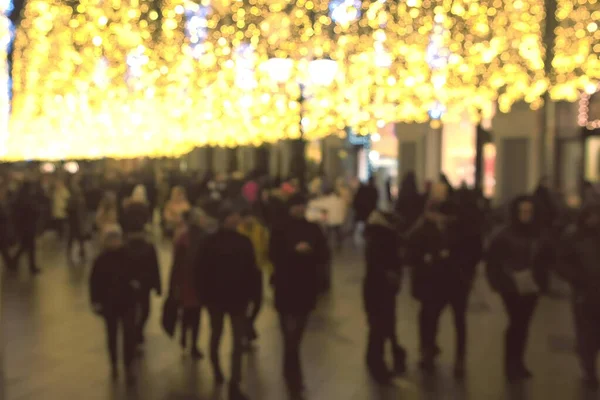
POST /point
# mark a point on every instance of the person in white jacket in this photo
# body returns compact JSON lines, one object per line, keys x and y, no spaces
{"x":330,"y":210}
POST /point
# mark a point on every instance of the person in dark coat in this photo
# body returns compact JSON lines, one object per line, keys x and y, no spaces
{"x":298,"y":248}
{"x":365,"y":200}
{"x":440,"y":278}
{"x":579,"y":264}
{"x":183,"y":280}
{"x":26,"y":217}
{"x":76,"y":219}
{"x":136,"y":214}
{"x":114,"y":284}
{"x":410,"y":203}
{"x":380,"y":288}
{"x":7,"y":233}
{"x":141,"y":254}
{"x":225,"y":264}
{"x":517,"y":268}
{"x":545,"y":206}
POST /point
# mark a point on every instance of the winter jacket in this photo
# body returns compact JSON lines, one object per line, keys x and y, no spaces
{"x":298,"y":250}
{"x":142,"y":256}
{"x":114,"y":282}
{"x":365,"y":202}
{"x":517,"y":248}
{"x":432,"y":253}
{"x":183,"y":279}
{"x":225,"y":264}
{"x":259,"y":236}
{"x":384,"y":264}
{"x":579,"y":262}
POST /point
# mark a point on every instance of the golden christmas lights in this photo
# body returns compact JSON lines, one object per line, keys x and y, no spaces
{"x":121,"y":78}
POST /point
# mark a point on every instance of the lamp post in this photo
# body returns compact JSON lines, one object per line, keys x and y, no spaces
{"x":321,"y":73}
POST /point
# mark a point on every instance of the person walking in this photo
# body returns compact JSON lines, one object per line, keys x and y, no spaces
{"x":439,"y":277}
{"x":579,"y":264}
{"x":113,"y":293}
{"x":136,"y":211}
{"x":380,"y":289}
{"x":7,"y":233}
{"x":225,"y":266}
{"x":26,"y":213}
{"x":365,"y":201}
{"x":298,"y":249}
{"x":107,"y":214}
{"x":253,"y":229}
{"x":76,"y":217}
{"x":141,"y":255}
{"x":517,"y":268}
{"x":175,"y":208}
{"x":183,"y":286}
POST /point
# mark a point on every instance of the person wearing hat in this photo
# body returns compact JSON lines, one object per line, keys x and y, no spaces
{"x":225,"y":264}
{"x":113,"y":293}
{"x":298,"y":249}
{"x":380,"y":289}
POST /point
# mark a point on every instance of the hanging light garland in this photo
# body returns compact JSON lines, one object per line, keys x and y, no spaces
{"x":576,"y":64}
{"x":123,"y":78}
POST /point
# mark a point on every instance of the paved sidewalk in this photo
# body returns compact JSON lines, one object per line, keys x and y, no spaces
{"x":55,"y":346}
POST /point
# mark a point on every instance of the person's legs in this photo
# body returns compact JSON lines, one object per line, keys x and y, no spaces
{"x":216,"y":330}
{"x":185,"y":326}
{"x":8,"y":261}
{"x":588,"y":333}
{"x":375,"y":350}
{"x":523,"y":323}
{"x":238,"y":328}
{"x":110,"y":323}
{"x":143,"y":314}
{"x":293,"y":327}
{"x":459,"y":304}
{"x":520,"y":310}
{"x":30,"y":246}
{"x":255,"y":307}
{"x":129,"y":341}
{"x":194,"y":326}
{"x":431,"y":310}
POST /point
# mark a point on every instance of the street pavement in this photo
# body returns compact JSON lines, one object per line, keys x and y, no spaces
{"x":54,"y":346}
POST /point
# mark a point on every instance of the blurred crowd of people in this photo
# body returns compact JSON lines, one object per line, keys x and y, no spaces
{"x":235,"y":236}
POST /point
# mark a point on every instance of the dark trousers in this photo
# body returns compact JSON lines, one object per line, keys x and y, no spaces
{"x":429,"y":316}
{"x":4,"y":253}
{"x":520,"y":311}
{"x":382,"y":329}
{"x":190,"y":323}
{"x":27,"y":245}
{"x":238,"y":328}
{"x":587,"y":328}
{"x":143,"y":312}
{"x":292,"y":329}
{"x":126,"y":322}
{"x":255,"y":305}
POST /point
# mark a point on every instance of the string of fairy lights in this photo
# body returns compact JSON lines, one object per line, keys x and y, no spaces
{"x":126,"y":78}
